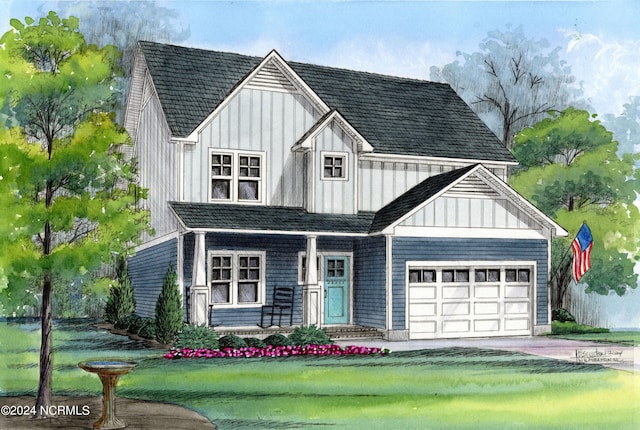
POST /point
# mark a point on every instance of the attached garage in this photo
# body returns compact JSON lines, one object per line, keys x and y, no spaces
{"x":450,"y":300}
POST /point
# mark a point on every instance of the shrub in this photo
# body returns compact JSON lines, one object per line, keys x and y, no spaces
{"x":169,"y":309}
{"x":558,"y":327}
{"x":277,"y":339}
{"x":231,"y":341}
{"x":121,"y":303}
{"x":253,"y":342}
{"x":197,"y":337}
{"x":128,"y":322}
{"x":310,"y":335}
{"x":562,"y":315}
{"x":147,"y":328}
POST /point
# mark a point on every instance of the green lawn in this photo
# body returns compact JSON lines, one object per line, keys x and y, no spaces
{"x":628,"y":338}
{"x":457,"y":388}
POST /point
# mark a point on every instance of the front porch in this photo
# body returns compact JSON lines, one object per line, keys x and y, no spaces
{"x":334,"y":332}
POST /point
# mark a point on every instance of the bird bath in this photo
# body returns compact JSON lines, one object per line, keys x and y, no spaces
{"x":108,"y":371}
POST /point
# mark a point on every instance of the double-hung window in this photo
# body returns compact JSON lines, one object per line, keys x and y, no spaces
{"x":237,"y":278}
{"x":236,"y":176}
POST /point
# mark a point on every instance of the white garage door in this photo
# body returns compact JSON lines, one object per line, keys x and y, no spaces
{"x":474,"y":301}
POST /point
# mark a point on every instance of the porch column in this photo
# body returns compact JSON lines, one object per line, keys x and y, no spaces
{"x":199,"y":288}
{"x":311,"y":294}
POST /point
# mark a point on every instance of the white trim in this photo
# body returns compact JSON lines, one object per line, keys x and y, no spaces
{"x":235,"y":255}
{"x":235,"y":176}
{"x":280,"y":63}
{"x":469,"y":232}
{"x":321,"y":272}
{"x":389,"y":282}
{"x":157,"y":241}
{"x":360,"y":143}
{"x":345,"y":165}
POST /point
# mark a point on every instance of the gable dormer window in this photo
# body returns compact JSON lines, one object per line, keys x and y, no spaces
{"x":334,"y":166}
{"x":236,"y":176}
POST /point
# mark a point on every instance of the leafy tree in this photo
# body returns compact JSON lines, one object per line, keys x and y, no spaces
{"x":122,"y":24}
{"x":571,"y":171}
{"x":169,"y":314}
{"x":626,"y":127}
{"x":71,"y":200}
{"x":512,"y":82}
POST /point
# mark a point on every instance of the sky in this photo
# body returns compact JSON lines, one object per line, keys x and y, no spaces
{"x":599,"y":40}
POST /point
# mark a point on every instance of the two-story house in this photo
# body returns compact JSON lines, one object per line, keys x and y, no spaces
{"x":383,"y":200}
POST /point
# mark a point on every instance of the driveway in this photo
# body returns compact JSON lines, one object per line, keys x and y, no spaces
{"x":607,"y":354}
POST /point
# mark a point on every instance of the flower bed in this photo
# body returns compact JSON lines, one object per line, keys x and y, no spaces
{"x":275,"y":351}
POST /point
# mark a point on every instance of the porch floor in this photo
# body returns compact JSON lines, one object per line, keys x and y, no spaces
{"x":334,"y":332}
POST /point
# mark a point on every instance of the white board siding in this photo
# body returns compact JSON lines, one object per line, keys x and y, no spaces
{"x":471,"y":212}
{"x":381,"y":182}
{"x":334,"y":196}
{"x":255,"y":120}
{"x":156,"y":155}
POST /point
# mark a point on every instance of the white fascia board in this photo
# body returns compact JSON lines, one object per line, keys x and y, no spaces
{"x":469,"y":233}
{"x":157,"y":241}
{"x":359,"y":140}
{"x":285,"y":69}
{"x":186,"y":141}
{"x":277,"y":232}
{"x":462,"y":162}
{"x":523,"y":203}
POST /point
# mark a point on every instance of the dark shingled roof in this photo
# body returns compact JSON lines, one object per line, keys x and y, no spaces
{"x":415,"y":197}
{"x":268,"y":218}
{"x":395,"y":115}
{"x":286,"y":219}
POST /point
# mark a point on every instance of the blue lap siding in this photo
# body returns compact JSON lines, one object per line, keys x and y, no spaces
{"x":369,"y":280}
{"x":411,"y":249}
{"x":147,"y":269}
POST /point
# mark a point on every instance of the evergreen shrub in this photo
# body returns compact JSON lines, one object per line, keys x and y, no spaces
{"x":169,"y":313}
{"x":196,"y":337}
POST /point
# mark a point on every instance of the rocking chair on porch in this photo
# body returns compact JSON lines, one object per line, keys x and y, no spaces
{"x":281,"y":306}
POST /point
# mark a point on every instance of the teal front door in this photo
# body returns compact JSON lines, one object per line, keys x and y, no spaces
{"x":336,"y":290}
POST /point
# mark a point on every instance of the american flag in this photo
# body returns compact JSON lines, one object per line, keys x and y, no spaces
{"x":581,"y":246}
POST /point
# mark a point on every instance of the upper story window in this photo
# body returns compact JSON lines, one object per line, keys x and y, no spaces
{"x":236,"y":176}
{"x":334,"y":166}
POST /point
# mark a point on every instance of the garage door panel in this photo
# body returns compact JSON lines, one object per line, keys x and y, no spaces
{"x":516,"y":324}
{"x":486,"y":308}
{"x":463,"y":308}
{"x":487,"y":325}
{"x":425,"y":309}
{"x":487,"y":291}
{"x":458,"y":292}
{"x":424,"y":327}
{"x":516,"y":308}
{"x":456,"y":326}
{"x":421,"y":293}
{"x":516,"y":291}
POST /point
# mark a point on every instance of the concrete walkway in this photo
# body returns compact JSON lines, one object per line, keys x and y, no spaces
{"x":608,"y":354}
{"x":79,"y":413}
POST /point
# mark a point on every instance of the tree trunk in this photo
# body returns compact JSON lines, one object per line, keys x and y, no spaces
{"x":43,"y":400}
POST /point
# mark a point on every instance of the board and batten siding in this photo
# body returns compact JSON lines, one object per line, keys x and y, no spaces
{"x":334,"y":195}
{"x":147,"y":269}
{"x":469,"y":212}
{"x":158,"y":165}
{"x":454,"y":249}
{"x":270,"y":122}
{"x":369,"y":282}
{"x":381,"y":181}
